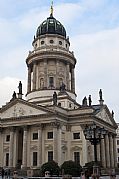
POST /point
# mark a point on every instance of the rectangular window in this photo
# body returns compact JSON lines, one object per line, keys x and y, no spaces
{"x":34,"y":158}
{"x":118,"y":150}
{"x":7,"y":159}
{"x":51,"y":81}
{"x":77,"y":157}
{"x":76,"y":135}
{"x":35,"y":136}
{"x":117,"y":142}
{"x":50,"y":156}
{"x":7,"y":138}
{"x":50,"y":135}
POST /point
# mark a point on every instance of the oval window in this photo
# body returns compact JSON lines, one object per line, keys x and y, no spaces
{"x":60,"y":42}
{"x":42,"y":42}
{"x":51,"y":41}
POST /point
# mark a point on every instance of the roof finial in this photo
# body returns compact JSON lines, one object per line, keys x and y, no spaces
{"x":51,"y":9}
{"x":101,"y":98}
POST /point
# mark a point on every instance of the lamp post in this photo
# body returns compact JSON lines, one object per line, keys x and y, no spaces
{"x":94,"y":134}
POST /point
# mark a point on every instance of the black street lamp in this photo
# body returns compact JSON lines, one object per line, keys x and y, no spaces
{"x":94,"y":134}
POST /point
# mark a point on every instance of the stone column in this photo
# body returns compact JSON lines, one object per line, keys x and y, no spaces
{"x":103,"y":157}
{"x":29,"y":80}
{"x":24,"y":157}
{"x":15,"y":155}
{"x":67,"y":76}
{"x":72,"y":80}
{"x":59,"y":145}
{"x":57,"y":74}
{"x":98,"y":152}
{"x":40,"y":146}
{"x":111,"y":151}
{"x":107,"y":151}
{"x":45,"y":73}
{"x":11,"y":147}
{"x":34,"y":76}
{"x":55,"y":143}
{"x":115,"y":151}
{"x":68,"y":130}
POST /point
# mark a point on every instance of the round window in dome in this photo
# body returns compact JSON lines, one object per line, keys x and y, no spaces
{"x":51,"y":41}
{"x":42,"y":42}
{"x":60,"y":42}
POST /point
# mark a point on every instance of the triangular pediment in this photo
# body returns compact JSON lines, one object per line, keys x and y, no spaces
{"x":105,"y":115}
{"x":19,"y":108}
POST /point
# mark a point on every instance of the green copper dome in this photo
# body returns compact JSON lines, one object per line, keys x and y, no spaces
{"x":51,"y":26}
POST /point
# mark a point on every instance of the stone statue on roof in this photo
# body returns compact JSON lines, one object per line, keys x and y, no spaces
{"x":84,"y":102}
{"x":14,"y":95}
{"x":100,"y":94}
{"x":20,"y":88}
{"x":62,"y":87}
{"x":55,"y":98}
{"x":90,"y":100}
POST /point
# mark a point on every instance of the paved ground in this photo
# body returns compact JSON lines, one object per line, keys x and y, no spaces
{"x":102,"y":177}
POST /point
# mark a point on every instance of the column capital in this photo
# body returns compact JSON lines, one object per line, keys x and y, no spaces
{"x":1,"y":129}
{"x":68,"y":128}
{"x":39,"y":126}
{"x":12,"y":128}
{"x":56,"y":124}
{"x":25,"y":128}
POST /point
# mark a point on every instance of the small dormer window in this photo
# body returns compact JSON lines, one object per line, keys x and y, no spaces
{"x":42,"y":42}
{"x":51,"y":41}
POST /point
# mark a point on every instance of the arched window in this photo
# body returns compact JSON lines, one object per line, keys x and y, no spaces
{"x":51,"y":81}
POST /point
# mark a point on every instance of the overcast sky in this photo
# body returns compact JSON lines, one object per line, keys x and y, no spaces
{"x":93,"y":29}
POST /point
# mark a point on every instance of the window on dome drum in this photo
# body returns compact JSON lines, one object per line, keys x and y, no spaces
{"x":42,"y":42}
{"x":51,"y":81}
{"x":117,"y":142}
{"x":60,"y":42}
{"x":7,"y":138}
{"x":50,"y":135}
{"x":118,"y":150}
{"x":77,"y":157}
{"x":118,"y":159}
{"x":35,"y":136}
{"x":34,"y":158}
{"x":66,"y":45}
{"x":76,"y":135}
{"x":7,"y":159}
{"x":51,"y":41}
{"x":50,"y":156}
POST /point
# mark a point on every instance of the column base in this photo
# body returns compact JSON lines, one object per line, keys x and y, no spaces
{"x":96,"y":170}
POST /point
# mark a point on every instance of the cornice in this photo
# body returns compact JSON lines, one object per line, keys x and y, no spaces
{"x":54,"y":54}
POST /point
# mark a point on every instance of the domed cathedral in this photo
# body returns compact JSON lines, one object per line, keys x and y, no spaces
{"x":51,"y":66}
{"x":50,"y":124}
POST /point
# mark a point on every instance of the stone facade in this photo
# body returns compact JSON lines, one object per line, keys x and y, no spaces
{"x":35,"y":131}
